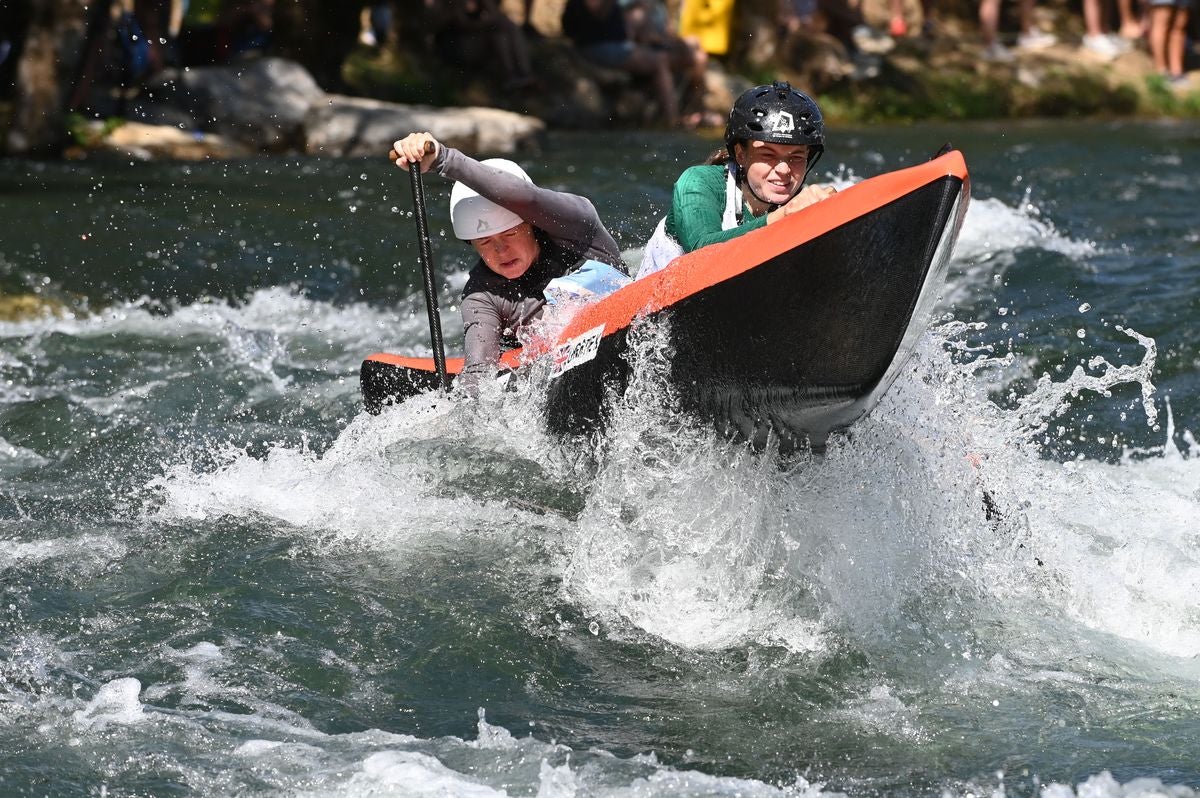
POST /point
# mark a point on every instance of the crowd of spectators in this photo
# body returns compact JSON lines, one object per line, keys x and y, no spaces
{"x":639,"y":37}
{"x":642,"y":38}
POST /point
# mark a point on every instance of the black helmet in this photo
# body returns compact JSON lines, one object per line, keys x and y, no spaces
{"x":778,"y":114}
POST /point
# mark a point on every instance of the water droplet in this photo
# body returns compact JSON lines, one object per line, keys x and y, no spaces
{"x":1002,"y":311}
{"x":1084,"y":308}
{"x":594,"y":628}
{"x":1081,"y":333}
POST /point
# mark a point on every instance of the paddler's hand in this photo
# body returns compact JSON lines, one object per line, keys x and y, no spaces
{"x":809,"y":195}
{"x":420,"y":148}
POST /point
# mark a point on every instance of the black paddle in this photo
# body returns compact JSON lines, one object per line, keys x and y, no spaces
{"x":425,"y":257}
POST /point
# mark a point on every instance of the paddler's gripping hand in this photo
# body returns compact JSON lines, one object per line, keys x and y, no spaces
{"x":809,"y":195}
{"x":420,"y":148}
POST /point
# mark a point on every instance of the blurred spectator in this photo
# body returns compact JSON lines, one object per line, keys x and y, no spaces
{"x":648,"y":25}
{"x":476,"y":34}
{"x":597,"y":27}
{"x":200,"y":42}
{"x":1168,"y":38}
{"x":1030,"y":38}
{"x":797,"y":15}
{"x":375,"y":24}
{"x":248,"y":24}
{"x":118,"y":52}
{"x":843,"y":20}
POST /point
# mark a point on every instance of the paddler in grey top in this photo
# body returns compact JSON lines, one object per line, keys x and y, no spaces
{"x":525,"y":236}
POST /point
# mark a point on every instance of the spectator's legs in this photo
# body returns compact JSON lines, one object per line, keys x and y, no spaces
{"x":989,"y":21}
{"x":689,"y":59}
{"x":841,"y":19}
{"x":513,"y":53}
{"x":1131,"y":22}
{"x":655,"y":63}
{"x":1177,"y":40}
{"x":1160,"y":26}
{"x":1093,"y":17}
{"x":1025,"y":13}
{"x":1031,"y":38}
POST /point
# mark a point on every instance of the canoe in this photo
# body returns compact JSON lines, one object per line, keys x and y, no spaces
{"x":789,"y":332}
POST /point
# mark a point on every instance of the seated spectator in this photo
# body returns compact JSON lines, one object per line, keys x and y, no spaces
{"x":647,"y":24}
{"x":478,"y":35}
{"x":597,"y":27}
{"x":864,"y":44}
{"x":857,"y":46}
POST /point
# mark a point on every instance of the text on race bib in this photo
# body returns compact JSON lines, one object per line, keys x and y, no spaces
{"x":576,"y":351}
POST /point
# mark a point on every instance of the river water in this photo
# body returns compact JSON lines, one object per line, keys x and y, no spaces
{"x":219,"y":577}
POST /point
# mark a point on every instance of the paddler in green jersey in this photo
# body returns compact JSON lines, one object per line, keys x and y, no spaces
{"x":774,"y":137}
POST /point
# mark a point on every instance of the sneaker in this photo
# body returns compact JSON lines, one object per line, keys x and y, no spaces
{"x":997,"y":53}
{"x":1035,"y":40}
{"x":1102,"y":46}
{"x":1122,"y":44}
{"x":870,"y":40}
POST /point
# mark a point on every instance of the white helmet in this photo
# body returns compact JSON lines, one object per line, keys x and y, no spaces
{"x":474,"y":216}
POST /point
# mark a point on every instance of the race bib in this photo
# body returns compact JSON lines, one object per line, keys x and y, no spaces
{"x":579,"y":349}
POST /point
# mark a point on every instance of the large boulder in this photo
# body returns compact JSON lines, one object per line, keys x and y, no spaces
{"x":359,"y":126}
{"x":263,"y":103}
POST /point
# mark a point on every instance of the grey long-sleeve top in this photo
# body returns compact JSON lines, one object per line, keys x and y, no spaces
{"x":568,"y":231}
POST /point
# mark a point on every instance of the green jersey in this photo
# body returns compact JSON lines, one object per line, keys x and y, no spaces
{"x":698,"y":207}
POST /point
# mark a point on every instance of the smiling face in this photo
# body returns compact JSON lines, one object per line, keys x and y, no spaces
{"x":773,"y":171}
{"x":511,"y":253}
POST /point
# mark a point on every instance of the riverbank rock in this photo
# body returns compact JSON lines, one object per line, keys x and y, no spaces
{"x":343,"y":126}
{"x":149,"y":142}
{"x":262,"y":103}
{"x":27,"y":307}
{"x":274,"y":105}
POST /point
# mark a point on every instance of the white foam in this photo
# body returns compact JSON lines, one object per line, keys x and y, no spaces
{"x":406,"y":478}
{"x":115,"y":702}
{"x":1103,"y":785}
{"x":993,"y":230}
{"x":79,"y":555}
{"x":275,"y":326}
{"x":682,"y":530}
